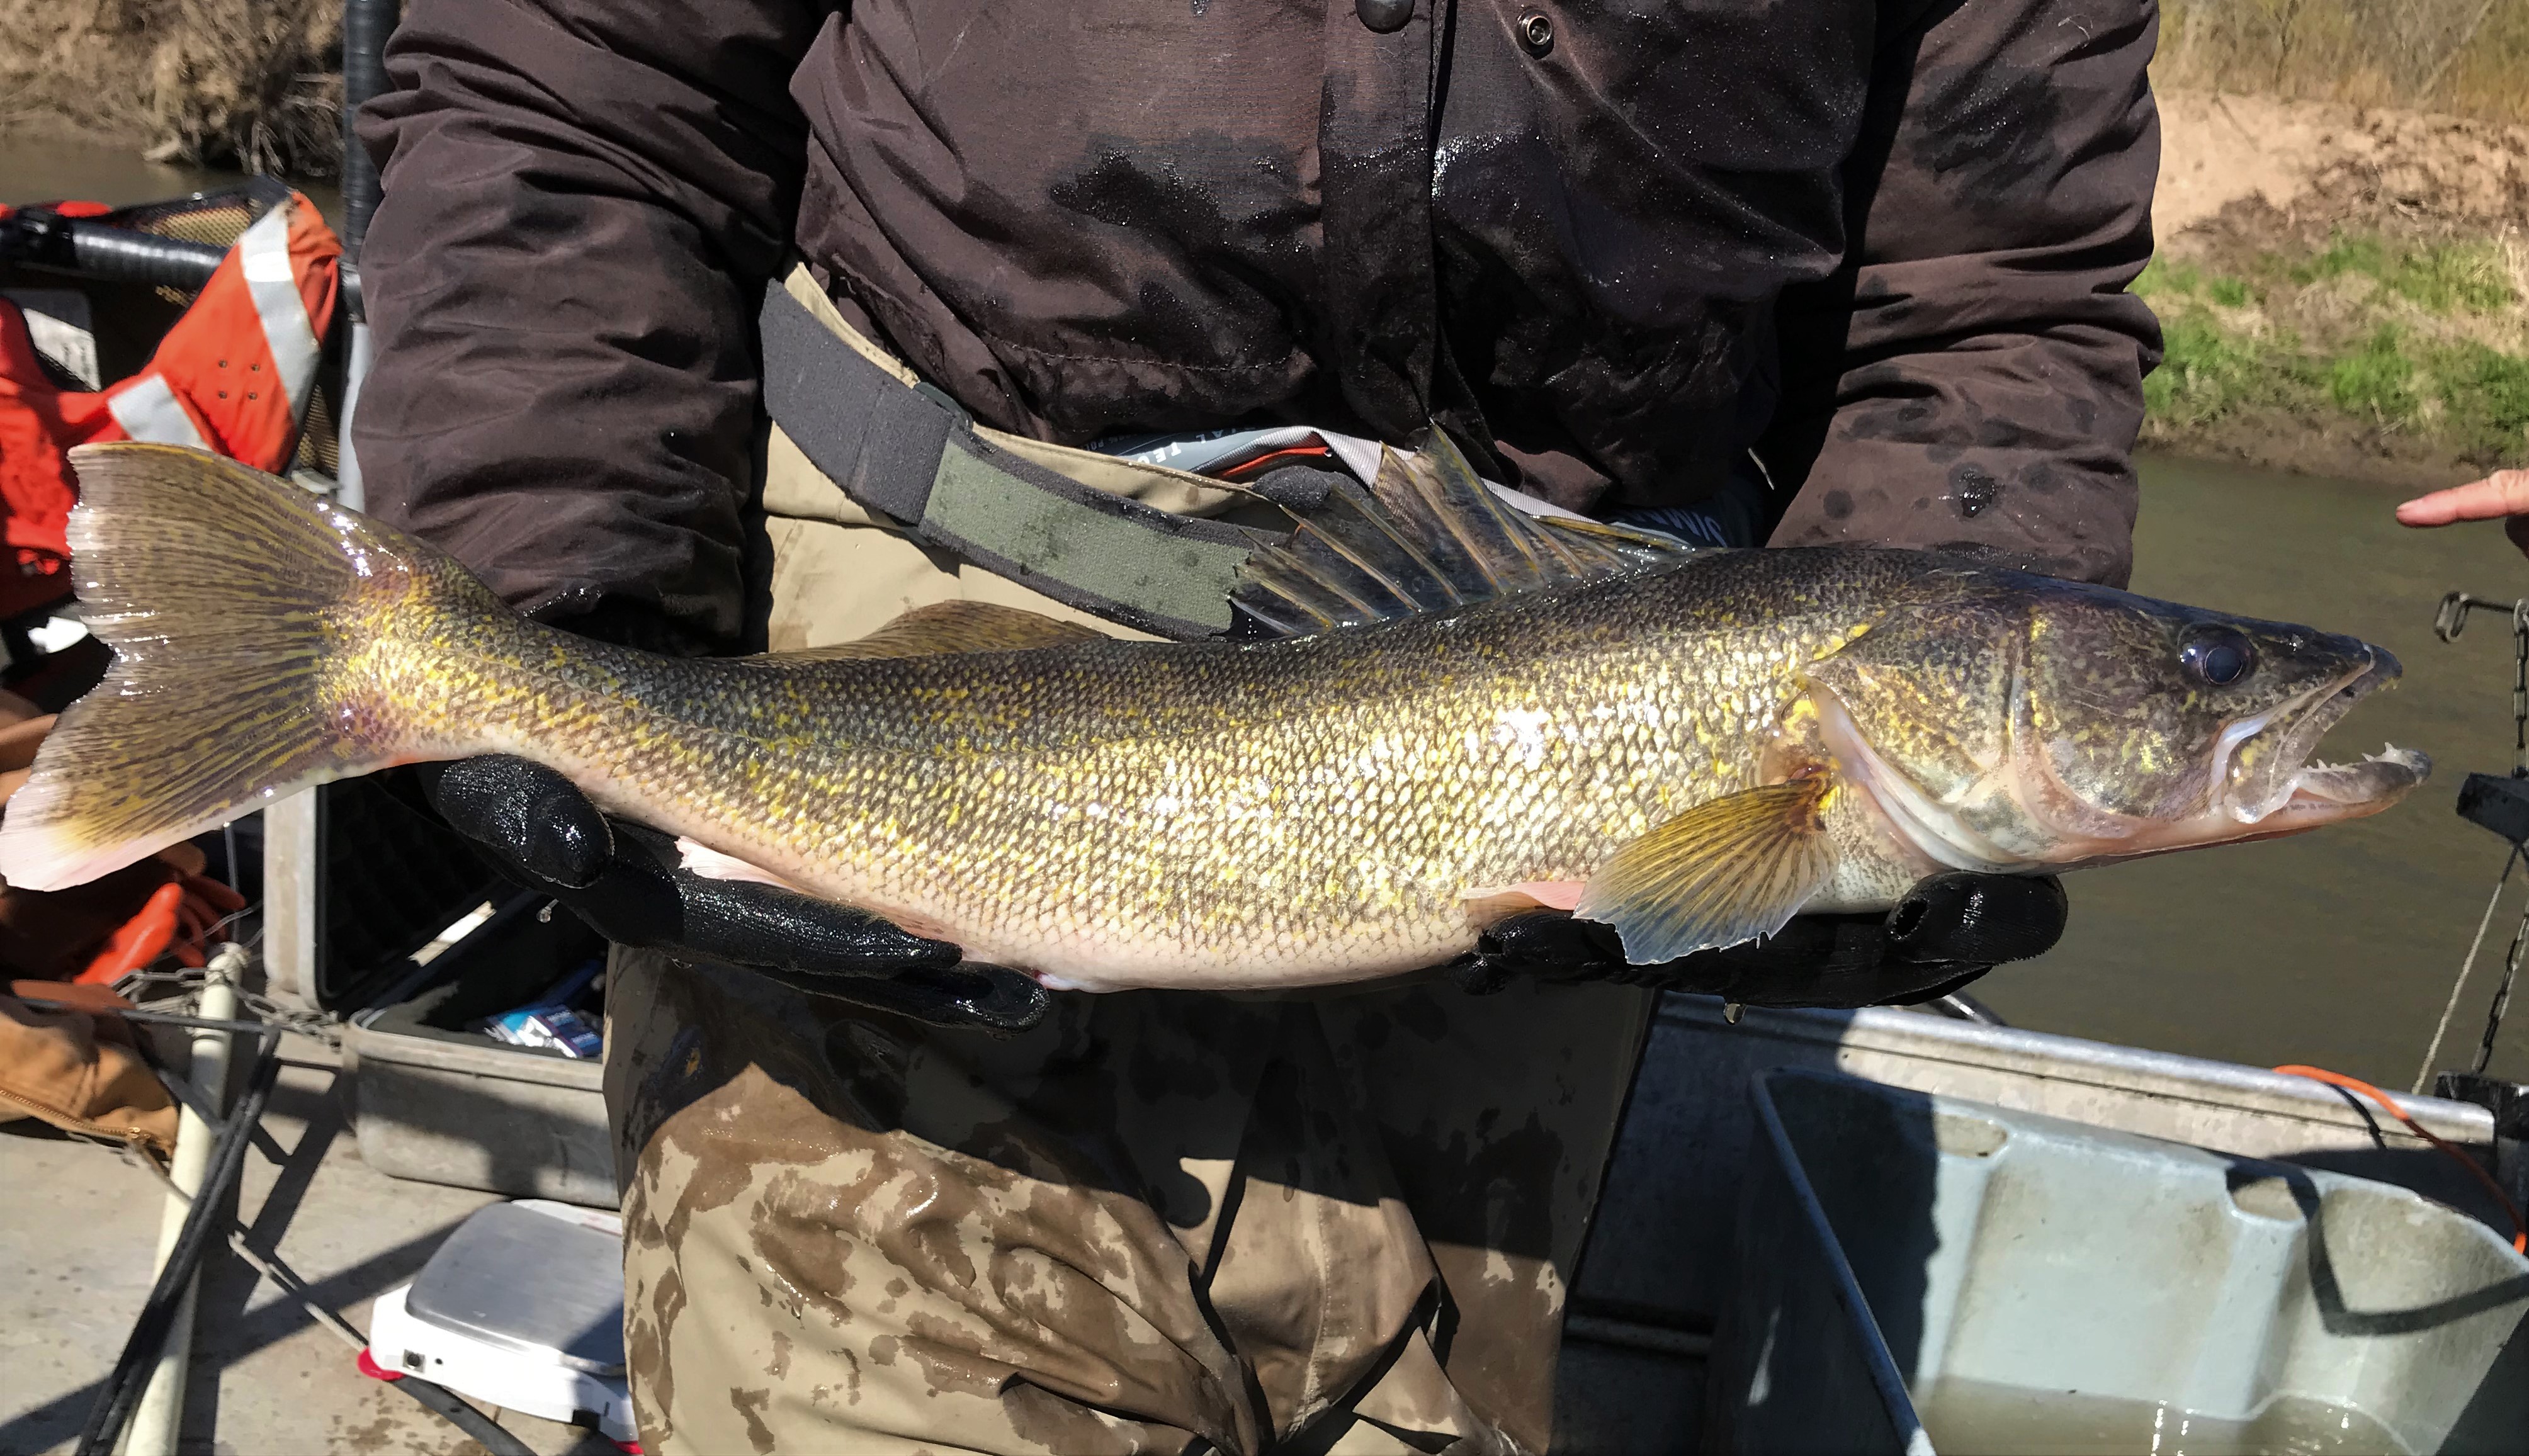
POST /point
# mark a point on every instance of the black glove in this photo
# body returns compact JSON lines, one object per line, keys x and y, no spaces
{"x":1948,"y":929}
{"x":627,"y":883}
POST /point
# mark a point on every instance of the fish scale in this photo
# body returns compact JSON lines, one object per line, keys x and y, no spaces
{"x":1691,"y":746}
{"x":1093,"y":812}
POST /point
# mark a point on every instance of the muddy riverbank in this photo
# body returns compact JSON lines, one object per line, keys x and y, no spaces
{"x":2344,"y":291}
{"x":254,"y":85}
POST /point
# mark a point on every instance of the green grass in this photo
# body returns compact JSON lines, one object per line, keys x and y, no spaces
{"x":2377,"y":380}
{"x":2397,"y":357}
{"x":2385,"y":380}
{"x":2208,"y":372}
{"x":2165,"y":275}
{"x":2446,"y":279}
{"x":2486,"y":397}
{"x":2443,"y":278}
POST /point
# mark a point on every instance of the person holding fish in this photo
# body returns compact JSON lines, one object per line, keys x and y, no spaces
{"x":1147,"y":960}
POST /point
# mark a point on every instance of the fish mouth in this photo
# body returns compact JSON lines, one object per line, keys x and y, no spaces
{"x":2325,"y":792}
{"x":2264,"y":775}
{"x":2261,"y":784}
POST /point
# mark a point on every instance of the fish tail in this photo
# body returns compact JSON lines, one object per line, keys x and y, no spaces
{"x":251,"y":623}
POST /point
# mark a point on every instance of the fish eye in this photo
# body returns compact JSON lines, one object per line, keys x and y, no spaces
{"x":2219,"y":655}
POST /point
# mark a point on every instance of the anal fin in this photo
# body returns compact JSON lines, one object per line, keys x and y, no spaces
{"x":1724,"y":872}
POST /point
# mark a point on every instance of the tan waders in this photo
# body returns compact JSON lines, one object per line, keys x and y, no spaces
{"x":1333,"y":1220}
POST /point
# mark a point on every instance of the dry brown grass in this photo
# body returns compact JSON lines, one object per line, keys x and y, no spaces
{"x":2460,"y":57}
{"x":256,"y":82}
{"x":251,"y":84}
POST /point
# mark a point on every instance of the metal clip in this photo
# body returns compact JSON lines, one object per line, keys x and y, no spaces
{"x":2450,"y":619}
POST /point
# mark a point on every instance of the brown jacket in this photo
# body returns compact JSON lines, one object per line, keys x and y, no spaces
{"x":1610,"y":246}
{"x":79,"y":1069}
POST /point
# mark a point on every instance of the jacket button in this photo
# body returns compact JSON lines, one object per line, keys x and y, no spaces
{"x":1536,"y":33}
{"x":1383,"y":16}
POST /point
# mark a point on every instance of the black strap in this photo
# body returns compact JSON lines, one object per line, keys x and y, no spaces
{"x":910,"y":453}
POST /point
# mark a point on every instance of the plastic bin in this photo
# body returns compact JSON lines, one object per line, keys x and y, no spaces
{"x":1661,"y":1253}
{"x":434,"y":1099}
{"x":2030,"y":1284}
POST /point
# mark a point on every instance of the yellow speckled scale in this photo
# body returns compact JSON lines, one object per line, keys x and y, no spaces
{"x":1312,"y":809}
{"x":1173,"y":814}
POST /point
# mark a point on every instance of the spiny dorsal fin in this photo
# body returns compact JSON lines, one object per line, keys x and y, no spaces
{"x":1426,"y":535}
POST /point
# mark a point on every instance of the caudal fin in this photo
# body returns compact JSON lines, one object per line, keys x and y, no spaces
{"x":238,"y":607}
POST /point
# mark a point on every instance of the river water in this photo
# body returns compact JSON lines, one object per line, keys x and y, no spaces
{"x":115,"y":176}
{"x":2335,"y":949}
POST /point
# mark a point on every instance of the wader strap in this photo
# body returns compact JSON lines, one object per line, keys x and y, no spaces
{"x":911,"y":453}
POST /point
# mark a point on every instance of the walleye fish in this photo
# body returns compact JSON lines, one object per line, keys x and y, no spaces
{"x":1477,"y":712}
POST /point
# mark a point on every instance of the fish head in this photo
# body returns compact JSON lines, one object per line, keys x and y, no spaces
{"x":2027,"y":723}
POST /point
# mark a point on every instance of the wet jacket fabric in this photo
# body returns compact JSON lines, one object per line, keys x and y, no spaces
{"x":1610,"y":246}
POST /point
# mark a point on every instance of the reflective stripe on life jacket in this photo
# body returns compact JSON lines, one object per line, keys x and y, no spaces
{"x":145,"y":408}
{"x":240,"y":365}
{"x":234,"y":375}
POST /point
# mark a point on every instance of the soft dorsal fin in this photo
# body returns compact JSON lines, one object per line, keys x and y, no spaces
{"x":947,"y":628}
{"x":1426,"y":535}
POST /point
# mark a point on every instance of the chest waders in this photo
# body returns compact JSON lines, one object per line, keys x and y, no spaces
{"x":860,"y":443}
{"x":1160,"y":1220}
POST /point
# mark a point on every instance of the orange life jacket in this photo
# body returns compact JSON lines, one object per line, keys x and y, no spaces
{"x":234,"y":375}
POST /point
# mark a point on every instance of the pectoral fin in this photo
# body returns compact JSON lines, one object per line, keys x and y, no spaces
{"x":1721,"y":872}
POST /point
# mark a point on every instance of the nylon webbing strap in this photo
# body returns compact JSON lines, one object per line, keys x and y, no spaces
{"x":912,"y":455}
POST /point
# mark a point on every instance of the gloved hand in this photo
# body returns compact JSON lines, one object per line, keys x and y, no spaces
{"x":627,"y":883}
{"x":1948,"y":929}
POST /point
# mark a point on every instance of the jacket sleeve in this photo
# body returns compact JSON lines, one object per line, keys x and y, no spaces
{"x":1971,"y":380}
{"x":582,"y":199}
